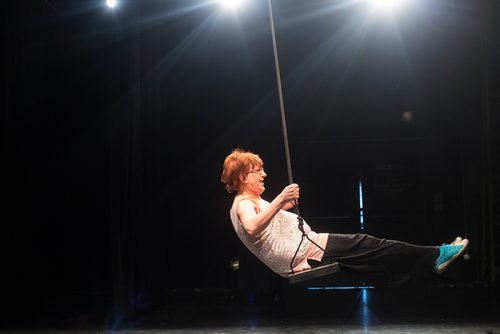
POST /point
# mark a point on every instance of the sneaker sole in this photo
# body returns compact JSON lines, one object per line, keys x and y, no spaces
{"x":442,"y":267}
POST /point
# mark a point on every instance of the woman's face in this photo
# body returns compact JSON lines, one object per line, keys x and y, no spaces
{"x":253,"y":181}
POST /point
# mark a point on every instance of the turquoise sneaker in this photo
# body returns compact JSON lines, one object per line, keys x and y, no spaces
{"x":448,"y":253}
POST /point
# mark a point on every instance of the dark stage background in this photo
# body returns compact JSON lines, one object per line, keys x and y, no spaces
{"x":115,"y":124}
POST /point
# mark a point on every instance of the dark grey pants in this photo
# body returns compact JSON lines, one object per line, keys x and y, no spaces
{"x":381,"y":262}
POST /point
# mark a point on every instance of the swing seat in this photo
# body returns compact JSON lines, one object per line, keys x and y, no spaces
{"x":314,"y":273}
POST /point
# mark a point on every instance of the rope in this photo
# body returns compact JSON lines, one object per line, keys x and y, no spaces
{"x":285,"y":137}
{"x":280,"y":96}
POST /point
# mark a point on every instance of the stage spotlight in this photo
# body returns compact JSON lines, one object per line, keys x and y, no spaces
{"x":231,"y":4}
{"x":386,"y":5}
{"x":111,"y":3}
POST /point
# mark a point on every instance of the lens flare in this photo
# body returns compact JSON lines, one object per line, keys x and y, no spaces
{"x":231,"y":4}
{"x":111,"y":3}
{"x":386,"y":5}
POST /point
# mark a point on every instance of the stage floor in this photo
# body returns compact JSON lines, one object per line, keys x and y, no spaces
{"x":299,"y":310}
{"x":334,"y":311}
{"x":476,"y":328}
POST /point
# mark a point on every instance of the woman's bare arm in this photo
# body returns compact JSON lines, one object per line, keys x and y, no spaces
{"x":255,"y":221}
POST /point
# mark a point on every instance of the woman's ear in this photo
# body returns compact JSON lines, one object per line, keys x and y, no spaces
{"x":243,"y":178}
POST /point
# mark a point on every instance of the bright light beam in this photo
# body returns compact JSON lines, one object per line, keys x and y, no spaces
{"x":231,"y":4}
{"x":111,"y":3}
{"x":386,"y":6}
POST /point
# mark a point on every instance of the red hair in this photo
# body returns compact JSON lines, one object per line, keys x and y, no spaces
{"x":237,"y":163}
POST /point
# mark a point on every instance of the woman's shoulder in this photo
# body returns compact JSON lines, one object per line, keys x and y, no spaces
{"x":256,"y":202}
{"x":241,"y":198}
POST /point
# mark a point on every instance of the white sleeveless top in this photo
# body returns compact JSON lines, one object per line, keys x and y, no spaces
{"x":278,"y":242}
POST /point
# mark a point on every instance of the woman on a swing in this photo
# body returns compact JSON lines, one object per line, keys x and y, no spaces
{"x":270,"y":232}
